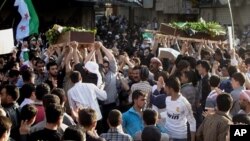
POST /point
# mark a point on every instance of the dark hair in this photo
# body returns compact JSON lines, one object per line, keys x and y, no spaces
{"x":50,"y":64}
{"x":74,"y":133}
{"x":27,"y":75}
{"x":75,"y":76}
{"x":60,"y":93}
{"x":5,"y":125}
{"x":50,"y":99}
{"x":247,"y":61}
{"x":105,"y":61}
{"x":232,"y":70}
{"x":137,"y":68}
{"x":192,"y":61}
{"x":137,"y":93}
{"x":241,"y":118}
{"x":224,"y":102}
{"x":144,"y":73}
{"x":12,"y":91}
{"x":151,"y":133}
{"x":13,"y":73}
{"x":174,"y":83}
{"x":239,"y":77}
{"x":150,"y":117}
{"x":218,"y":52}
{"x":53,"y":112}
{"x":42,"y":90}
{"x":182,"y":64}
{"x":27,"y":90}
{"x":190,"y":75}
{"x":214,"y":81}
{"x":40,"y":61}
{"x":115,"y":118}
{"x":28,"y":112}
{"x":204,"y":64}
{"x":87,"y":117}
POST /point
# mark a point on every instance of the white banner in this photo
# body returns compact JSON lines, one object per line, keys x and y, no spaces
{"x":6,"y":41}
{"x":169,"y":53}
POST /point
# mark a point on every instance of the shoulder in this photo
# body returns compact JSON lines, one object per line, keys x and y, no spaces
{"x":183,"y":100}
{"x":38,"y":127}
{"x":168,"y":98}
{"x":127,"y":113}
{"x":164,"y":137}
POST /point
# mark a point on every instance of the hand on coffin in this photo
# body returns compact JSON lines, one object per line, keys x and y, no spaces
{"x":74,"y":44}
{"x":98,"y":45}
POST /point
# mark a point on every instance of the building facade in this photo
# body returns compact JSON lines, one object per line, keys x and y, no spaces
{"x":217,"y":10}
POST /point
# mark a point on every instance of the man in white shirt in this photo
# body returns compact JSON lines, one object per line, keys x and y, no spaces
{"x":29,"y":94}
{"x":84,"y":95}
{"x":178,"y":112}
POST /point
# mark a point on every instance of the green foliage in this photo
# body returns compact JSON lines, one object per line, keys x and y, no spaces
{"x":53,"y":34}
{"x":211,"y":28}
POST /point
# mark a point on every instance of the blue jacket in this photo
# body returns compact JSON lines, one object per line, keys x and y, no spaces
{"x":132,"y":122}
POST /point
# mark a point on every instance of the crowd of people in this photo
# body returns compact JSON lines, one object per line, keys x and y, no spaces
{"x":118,"y":89}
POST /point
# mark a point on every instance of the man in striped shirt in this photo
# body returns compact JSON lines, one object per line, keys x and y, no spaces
{"x":115,"y":132}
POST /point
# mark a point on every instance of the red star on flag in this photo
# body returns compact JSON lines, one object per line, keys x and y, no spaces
{"x":23,"y":28}
{"x":26,"y":16}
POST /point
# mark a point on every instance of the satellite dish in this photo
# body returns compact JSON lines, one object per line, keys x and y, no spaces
{"x":224,"y":2}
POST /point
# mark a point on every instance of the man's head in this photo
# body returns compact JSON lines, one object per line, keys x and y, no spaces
{"x":114,"y":118}
{"x":218,"y":55}
{"x":136,"y":72}
{"x":74,"y":133}
{"x":54,"y":114}
{"x":28,"y":91}
{"x":61,"y":94}
{"x":150,"y":117}
{"x":151,"y":133}
{"x":28,"y":76}
{"x":172,"y":85}
{"x":87,"y":118}
{"x":52,"y":68}
{"x":9,"y":94}
{"x":155,"y":64}
{"x":40,"y":66}
{"x":75,"y":76}
{"x":28,"y":113}
{"x":42,"y":90}
{"x":238,"y":80}
{"x":214,"y":81}
{"x":50,"y":99}
{"x":187,"y":76}
{"x":13,"y":76}
{"x":139,"y":99}
{"x":146,"y":52}
{"x":5,"y":127}
{"x":183,"y":65}
{"x":106,"y":66}
{"x":224,"y":102}
{"x":232,"y":70}
{"x":203,"y":67}
{"x":244,"y":99}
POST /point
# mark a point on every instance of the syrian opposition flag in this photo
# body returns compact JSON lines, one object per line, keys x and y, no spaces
{"x":29,"y":23}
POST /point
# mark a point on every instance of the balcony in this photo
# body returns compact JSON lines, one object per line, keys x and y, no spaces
{"x":218,"y":3}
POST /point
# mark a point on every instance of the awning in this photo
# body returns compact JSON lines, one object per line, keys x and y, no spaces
{"x":117,"y":2}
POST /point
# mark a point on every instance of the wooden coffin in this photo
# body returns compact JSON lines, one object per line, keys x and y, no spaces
{"x":168,"y":30}
{"x":80,"y":37}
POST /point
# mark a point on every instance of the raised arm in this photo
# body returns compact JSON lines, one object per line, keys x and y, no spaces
{"x":90,"y":55}
{"x":108,"y":53}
